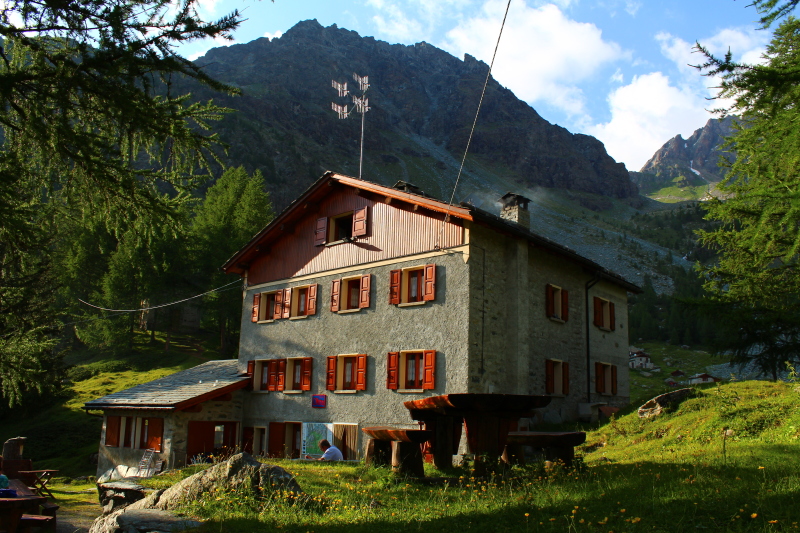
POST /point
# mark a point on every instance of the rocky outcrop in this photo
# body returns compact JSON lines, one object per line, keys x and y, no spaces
{"x":240,"y":471}
{"x":694,"y":160}
{"x":423,"y":104}
{"x":119,"y":494}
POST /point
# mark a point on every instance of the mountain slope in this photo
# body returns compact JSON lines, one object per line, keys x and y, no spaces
{"x":686,"y":169}
{"x":423,"y":104}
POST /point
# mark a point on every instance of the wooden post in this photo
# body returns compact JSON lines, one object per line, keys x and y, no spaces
{"x":407,"y":459}
{"x":443,"y":446}
{"x":379,"y":452}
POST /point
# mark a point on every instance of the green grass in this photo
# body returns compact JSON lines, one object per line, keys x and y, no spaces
{"x":691,"y":361}
{"x":677,"y":472}
{"x":60,"y":434}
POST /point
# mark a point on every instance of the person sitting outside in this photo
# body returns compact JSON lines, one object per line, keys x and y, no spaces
{"x":329,"y":452}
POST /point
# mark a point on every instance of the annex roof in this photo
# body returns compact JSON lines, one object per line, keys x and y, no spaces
{"x":178,"y":391}
{"x":298,"y":208}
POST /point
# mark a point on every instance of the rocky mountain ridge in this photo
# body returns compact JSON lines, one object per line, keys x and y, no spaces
{"x":423,"y":102}
{"x":692,"y":162}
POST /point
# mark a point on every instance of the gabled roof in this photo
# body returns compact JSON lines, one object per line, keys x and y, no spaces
{"x":178,"y":391}
{"x":240,"y":261}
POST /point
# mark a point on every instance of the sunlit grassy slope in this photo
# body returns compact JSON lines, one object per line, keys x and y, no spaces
{"x":60,"y":434}
{"x":723,"y":460}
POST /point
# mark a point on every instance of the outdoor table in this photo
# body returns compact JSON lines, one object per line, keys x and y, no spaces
{"x":406,"y":452}
{"x":40,"y":479}
{"x":12,"y":509}
{"x":487,"y":419}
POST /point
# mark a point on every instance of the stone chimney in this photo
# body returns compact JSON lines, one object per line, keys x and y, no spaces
{"x":515,"y":209}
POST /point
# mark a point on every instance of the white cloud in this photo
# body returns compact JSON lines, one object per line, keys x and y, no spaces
{"x":273,"y":35}
{"x":543,"y":54}
{"x":410,"y":21}
{"x":218,"y":41}
{"x":646,"y":113}
{"x":617,"y":77}
{"x":631,"y":7}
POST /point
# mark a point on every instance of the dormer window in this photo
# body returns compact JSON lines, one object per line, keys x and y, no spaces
{"x":341,"y":227}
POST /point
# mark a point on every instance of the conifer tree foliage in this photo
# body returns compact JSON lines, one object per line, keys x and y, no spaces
{"x":235,"y":208}
{"x":89,"y":122}
{"x":757,"y":275}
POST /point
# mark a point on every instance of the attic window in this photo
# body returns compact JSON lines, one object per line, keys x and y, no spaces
{"x":341,"y":228}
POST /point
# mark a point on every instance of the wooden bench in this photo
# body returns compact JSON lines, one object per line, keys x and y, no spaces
{"x":557,"y":445}
{"x":28,"y":521}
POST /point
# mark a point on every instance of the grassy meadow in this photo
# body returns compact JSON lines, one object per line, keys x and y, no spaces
{"x":723,"y":460}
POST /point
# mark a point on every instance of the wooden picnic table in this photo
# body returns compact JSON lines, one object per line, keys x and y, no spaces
{"x":12,"y":509}
{"x":39,"y":480}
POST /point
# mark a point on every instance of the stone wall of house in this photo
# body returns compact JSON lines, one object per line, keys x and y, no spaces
{"x":212,"y":410}
{"x":511,"y":335}
{"x":118,"y":462}
{"x":439,"y":325}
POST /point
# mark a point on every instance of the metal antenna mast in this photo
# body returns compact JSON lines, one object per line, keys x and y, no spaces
{"x":360,"y":105}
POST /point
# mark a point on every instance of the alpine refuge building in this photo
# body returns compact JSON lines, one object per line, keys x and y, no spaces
{"x":359,"y":297}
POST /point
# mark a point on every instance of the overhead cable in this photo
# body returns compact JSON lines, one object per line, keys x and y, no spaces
{"x":158,"y":306}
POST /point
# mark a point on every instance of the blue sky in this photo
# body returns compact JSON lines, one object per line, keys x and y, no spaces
{"x":615,"y":69}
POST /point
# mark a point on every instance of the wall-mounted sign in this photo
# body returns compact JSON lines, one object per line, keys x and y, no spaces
{"x":320,"y":401}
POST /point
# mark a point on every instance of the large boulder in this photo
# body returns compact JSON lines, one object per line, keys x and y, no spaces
{"x":238,"y":472}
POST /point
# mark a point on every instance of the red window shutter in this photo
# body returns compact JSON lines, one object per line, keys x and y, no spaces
{"x":277,"y":310}
{"x":599,"y":378}
{"x":321,"y":231}
{"x":155,"y":433}
{"x":613,"y":322}
{"x":251,"y":367}
{"x":565,"y":379}
{"x":429,"y":284}
{"x":112,"y":431}
{"x":360,"y":222}
{"x":549,"y":307}
{"x":305,"y":373}
{"x":598,"y":312}
{"x":394,"y":286}
{"x":564,"y":305}
{"x":613,"y":379}
{"x":256,"y":302}
{"x":287,"y":303}
{"x":393,"y":371}
{"x":429,"y":369}
{"x":281,"y":374}
{"x":336,"y":289}
{"x":549,"y":374}
{"x":330,"y":373}
{"x":363,"y":294}
{"x":361,"y":372}
{"x":277,"y":439}
{"x":312,"y":299}
{"x":272,"y":375}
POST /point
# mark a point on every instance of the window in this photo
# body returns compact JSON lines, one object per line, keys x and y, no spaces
{"x":346,"y":372}
{"x":604,"y":314}
{"x":151,"y":431}
{"x":556,"y":303}
{"x":341,"y":228}
{"x":285,"y":303}
{"x":350,"y":293}
{"x":556,"y":380}
{"x":412,"y":285}
{"x":285,"y":439}
{"x":605,"y":378}
{"x":120,"y":431}
{"x":411,"y":370}
{"x":292,"y":374}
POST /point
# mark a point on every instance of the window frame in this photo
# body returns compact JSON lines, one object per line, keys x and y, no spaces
{"x":333,"y":236}
{"x":556,"y":303}
{"x":277,"y":374}
{"x":605,"y":378}
{"x":556,"y":377}
{"x":400,"y":280}
{"x":339,"y":293}
{"x":292,"y":303}
{"x":335,"y":372}
{"x":397,"y":371}
{"x":604,"y":314}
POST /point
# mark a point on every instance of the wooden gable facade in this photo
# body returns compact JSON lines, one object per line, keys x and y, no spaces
{"x":303,"y":240}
